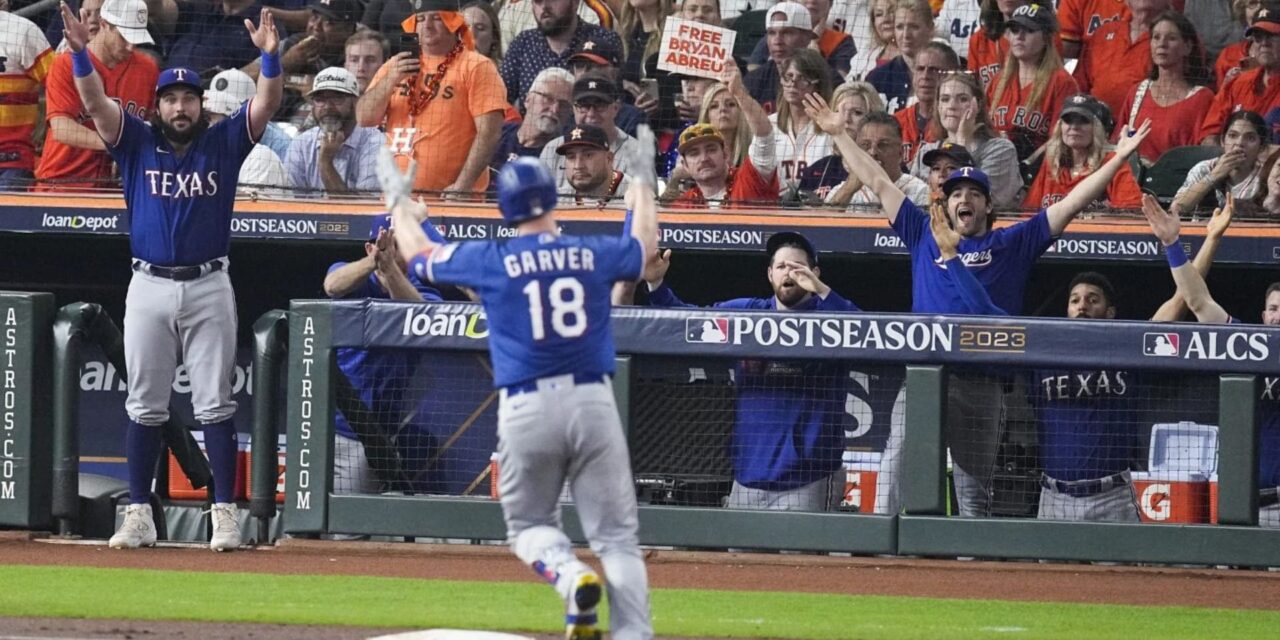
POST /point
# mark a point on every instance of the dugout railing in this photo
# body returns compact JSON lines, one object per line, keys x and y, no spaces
{"x":931,"y":345}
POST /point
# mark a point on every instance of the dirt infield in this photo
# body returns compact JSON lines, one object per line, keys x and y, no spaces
{"x":668,"y":569}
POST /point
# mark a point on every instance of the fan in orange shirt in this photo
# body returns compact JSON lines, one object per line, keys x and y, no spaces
{"x":1081,"y":19}
{"x":934,"y":61}
{"x":1236,"y":56}
{"x":1119,"y":54}
{"x":450,"y":119}
{"x":1076,"y":149}
{"x":988,"y":47}
{"x":1026,"y":97}
{"x":1256,"y":90}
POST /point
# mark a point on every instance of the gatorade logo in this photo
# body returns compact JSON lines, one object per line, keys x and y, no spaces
{"x":1155,"y":502}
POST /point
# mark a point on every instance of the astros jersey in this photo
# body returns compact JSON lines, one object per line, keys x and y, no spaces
{"x":25,"y":60}
{"x":796,"y":152}
{"x":130,"y":84}
{"x":1088,"y":422}
{"x":1230,"y":60}
{"x":1078,"y":20}
{"x":986,"y":56}
{"x":1001,"y":260}
{"x":1028,"y":126}
{"x":914,"y":131}
{"x":441,"y":134}
{"x":788,"y":432}
{"x":180,"y":206}
{"x":1046,"y":189}
{"x":1249,"y":91}
{"x":547,"y":299}
{"x":1111,"y":64}
{"x":377,"y":375}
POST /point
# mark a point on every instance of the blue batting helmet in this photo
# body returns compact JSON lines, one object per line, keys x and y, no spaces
{"x":526,"y":190}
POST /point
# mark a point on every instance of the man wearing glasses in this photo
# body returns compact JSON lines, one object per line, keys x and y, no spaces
{"x":1256,"y":89}
{"x":789,"y":28}
{"x":595,"y":103}
{"x":547,"y":111}
{"x":604,"y":58}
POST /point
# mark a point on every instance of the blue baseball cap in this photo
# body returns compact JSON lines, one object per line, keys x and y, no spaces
{"x":179,"y":77}
{"x":790,"y":238}
{"x":972,"y":175}
{"x":384,"y":222}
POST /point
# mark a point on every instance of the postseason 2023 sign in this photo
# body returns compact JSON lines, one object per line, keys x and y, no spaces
{"x":695,"y":49}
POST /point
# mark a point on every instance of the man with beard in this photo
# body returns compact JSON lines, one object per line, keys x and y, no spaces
{"x":335,"y":156}
{"x":179,"y":177}
{"x":788,"y":438}
{"x":560,"y":33}
{"x":596,"y":100}
{"x":547,"y":109}
{"x":981,"y":404}
{"x":324,"y":42}
{"x":588,"y":166}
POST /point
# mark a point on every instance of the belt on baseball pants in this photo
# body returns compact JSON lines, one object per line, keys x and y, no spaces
{"x":1083,"y":488}
{"x":179,"y":274}
{"x":532,"y":385}
{"x":1268,"y":497}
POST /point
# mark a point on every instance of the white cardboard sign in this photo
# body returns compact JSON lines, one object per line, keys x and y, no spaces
{"x":695,"y":49}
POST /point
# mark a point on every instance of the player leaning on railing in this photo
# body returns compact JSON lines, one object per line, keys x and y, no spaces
{"x":547,"y":297}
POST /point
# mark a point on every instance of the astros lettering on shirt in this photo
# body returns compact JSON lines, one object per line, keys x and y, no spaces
{"x":789,"y":426}
{"x":1078,"y":20}
{"x":180,"y":205}
{"x":546,"y":297}
{"x":1001,"y":260}
{"x":1028,"y":125}
{"x":1088,"y":422}
{"x":377,"y":375}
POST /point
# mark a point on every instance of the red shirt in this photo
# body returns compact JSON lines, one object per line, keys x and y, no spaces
{"x":987,"y":56}
{"x":132,"y":84}
{"x":1110,"y":65}
{"x":25,"y":65}
{"x":914,"y":132}
{"x":1229,"y":60}
{"x":1248,"y":91}
{"x":1046,"y":189}
{"x":747,"y":187}
{"x":1176,"y":125}
{"x":1078,"y":20}
{"x":1029,"y":125}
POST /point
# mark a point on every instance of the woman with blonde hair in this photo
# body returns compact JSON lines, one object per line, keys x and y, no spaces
{"x":799,"y":141}
{"x":912,"y":30}
{"x":960,"y":118}
{"x":640,"y":27}
{"x":1077,"y":148}
{"x":721,"y":111}
{"x":1028,"y":94}
{"x":853,"y":101}
{"x":883,"y":49}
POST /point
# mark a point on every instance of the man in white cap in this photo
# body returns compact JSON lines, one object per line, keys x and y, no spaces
{"x":74,"y":156}
{"x":336,"y":155}
{"x":261,"y":169}
{"x":788,"y":28}
{"x":241,"y":87}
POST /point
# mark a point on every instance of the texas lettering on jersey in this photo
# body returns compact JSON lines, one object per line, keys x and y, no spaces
{"x":167,"y":184}
{"x":1085,"y":384}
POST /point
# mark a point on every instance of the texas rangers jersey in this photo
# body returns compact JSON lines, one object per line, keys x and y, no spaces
{"x":1088,"y":422}
{"x":1269,"y":443}
{"x":547,"y":299}
{"x":180,"y":205}
{"x":789,"y":427}
{"x":1001,"y":260}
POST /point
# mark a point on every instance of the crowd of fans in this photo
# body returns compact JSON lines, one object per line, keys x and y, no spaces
{"x":1033,"y":96}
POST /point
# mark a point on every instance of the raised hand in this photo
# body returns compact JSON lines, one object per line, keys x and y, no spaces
{"x":74,"y":30}
{"x":396,"y":184}
{"x":264,"y":36}
{"x":946,"y":237}
{"x":732,"y":78}
{"x":822,"y":115}
{"x":1217,"y":225}
{"x":805,"y":278}
{"x":1165,"y":225}
{"x":641,"y":156}
{"x":1131,"y":139}
{"x":655,"y":267}
{"x":968,"y":126}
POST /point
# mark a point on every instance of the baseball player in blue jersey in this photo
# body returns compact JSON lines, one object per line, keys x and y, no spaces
{"x":179,"y":178}
{"x":981,"y":404}
{"x":788,"y":436}
{"x":1192,"y":288}
{"x":375,"y":375}
{"x":547,"y":297}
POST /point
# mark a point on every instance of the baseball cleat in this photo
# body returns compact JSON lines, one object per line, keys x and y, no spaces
{"x":226,"y":527}
{"x":580,"y":613}
{"x":138,"y":529}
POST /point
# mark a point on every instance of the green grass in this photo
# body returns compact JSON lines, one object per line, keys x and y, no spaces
{"x":391,"y":602}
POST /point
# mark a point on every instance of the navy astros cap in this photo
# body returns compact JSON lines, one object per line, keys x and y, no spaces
{"x":957,"y":153}
{"x":179,"y":77}
{"x":972,"y":175}
{"x":784,"y":238}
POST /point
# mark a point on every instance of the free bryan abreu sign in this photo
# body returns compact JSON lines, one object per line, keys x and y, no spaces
{"x":695,"y":49}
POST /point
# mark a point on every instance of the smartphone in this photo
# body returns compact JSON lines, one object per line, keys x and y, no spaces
{"x":650,"y":86}
{"x":408,"y":43}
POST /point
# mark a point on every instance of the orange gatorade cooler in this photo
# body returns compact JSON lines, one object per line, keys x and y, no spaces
{"x":1176,"y":487}
{"x":860,"y":471}
{"x":180,"y":486}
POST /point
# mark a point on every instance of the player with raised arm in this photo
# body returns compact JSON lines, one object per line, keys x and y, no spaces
{"x":1193,"y":289}
{"x":547,"y":299}
{"x":179,"y":174}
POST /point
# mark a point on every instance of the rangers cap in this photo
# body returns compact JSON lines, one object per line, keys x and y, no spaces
{"x":178,"y":77}
{"x":337,"y":80}
{"x":784,"y":238}
{"x":791,"y":15}
{"x":972,"y":175}
{"x":129,"y":17}
{"x":1036,"y":17}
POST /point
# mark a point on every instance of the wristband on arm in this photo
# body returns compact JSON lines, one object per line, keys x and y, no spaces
{"x":270,"y":66}
{"x":1176,"y":254}
{"x":81,"y":64}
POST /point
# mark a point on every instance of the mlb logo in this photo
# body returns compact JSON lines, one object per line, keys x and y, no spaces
{"x":1161,"y":344}
{"x":706,"y":330}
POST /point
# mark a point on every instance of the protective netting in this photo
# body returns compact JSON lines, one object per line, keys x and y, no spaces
{"x":492,"y":82}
